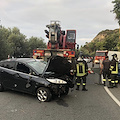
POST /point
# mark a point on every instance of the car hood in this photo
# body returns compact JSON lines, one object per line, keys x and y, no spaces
{"x":59,"y":65}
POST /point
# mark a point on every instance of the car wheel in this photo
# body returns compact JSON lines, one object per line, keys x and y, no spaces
{"x":43,"y":94}
{"x":1,"y":87}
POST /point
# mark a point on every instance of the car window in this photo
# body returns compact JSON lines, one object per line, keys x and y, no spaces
{"x":22,"y":68}
{"x":9,"y":65}
{"x":38,"y":66}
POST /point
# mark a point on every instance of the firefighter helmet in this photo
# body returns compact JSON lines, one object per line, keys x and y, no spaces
{"x":80,"y":59}
{"x":114,"y":55}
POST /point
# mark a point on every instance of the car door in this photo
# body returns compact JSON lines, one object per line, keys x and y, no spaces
{"x":23,"y":79}
{"x":6,"y":74}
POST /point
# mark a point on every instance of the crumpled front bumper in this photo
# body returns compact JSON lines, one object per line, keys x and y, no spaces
{"x":58,"y":89}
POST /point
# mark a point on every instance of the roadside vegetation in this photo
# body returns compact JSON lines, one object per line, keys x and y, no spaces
{"x":105,"y":40}
{"x":14,"y":43}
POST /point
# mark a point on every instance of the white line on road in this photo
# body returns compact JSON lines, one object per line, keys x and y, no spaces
{"x":112,"y":96}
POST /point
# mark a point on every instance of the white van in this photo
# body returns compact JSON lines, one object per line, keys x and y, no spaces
{"x":110,"y":53}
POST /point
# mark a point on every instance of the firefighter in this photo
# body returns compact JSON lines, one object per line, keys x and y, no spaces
{"x":114,"y":70}
{"x":81,"y":73}
{"x":106,"y":70}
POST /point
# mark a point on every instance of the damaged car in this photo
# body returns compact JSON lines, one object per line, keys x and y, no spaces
{"x":43,"y":79}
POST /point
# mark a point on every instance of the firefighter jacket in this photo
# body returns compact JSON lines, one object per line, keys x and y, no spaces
{"x":106,"y":65}
{"x":114,"y":66}
{"x":81,"y":68}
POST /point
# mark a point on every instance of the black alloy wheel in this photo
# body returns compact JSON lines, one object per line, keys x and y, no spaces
{"x":43,"y":94}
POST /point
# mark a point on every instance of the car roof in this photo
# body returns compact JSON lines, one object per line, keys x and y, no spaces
{"x":23,"y":60}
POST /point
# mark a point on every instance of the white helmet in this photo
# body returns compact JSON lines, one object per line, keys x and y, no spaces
{"x":79,"y":59}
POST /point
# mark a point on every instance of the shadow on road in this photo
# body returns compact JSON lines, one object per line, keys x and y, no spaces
{"x":61,"y":102}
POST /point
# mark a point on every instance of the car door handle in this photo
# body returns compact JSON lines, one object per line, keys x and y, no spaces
{"x":2,"y":71}
{"x":29,"y":80}
{"x":17,"y":75}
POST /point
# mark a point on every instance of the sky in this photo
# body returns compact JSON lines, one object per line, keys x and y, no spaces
{"x":87,"y":17}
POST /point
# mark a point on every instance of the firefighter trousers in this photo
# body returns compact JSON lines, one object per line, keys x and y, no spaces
{"x":114,"y":79}
{"x":80,"y":80}
{"x":106,"y":74}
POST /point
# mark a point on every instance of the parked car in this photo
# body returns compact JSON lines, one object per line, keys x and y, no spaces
{"x":36,"y":77}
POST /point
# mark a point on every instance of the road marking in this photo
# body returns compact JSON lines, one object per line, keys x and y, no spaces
{"x":112,"y":96}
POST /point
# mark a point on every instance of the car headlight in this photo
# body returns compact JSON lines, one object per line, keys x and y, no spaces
{"x":57,"y":81}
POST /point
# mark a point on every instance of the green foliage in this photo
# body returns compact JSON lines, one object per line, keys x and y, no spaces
{"x":4,"y":45}
{"x":14,"y":43}
{"x":116,"y":9}
{"x":109,"y":42}
{"x":35,"y":43}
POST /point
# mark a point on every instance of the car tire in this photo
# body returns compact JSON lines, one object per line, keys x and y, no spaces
{"x":43,"y":94}
{"x":1,"y":87}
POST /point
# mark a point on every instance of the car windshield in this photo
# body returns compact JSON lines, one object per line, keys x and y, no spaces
{"x":38,"y":66}
{"x":100,"y":53}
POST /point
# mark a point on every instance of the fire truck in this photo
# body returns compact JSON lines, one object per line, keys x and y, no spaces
{"x":100,"y":55}
{"x":60,"y":43}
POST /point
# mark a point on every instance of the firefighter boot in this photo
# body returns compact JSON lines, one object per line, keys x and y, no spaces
{"x":84,"y":89}
{"x":77,"y":87}
{"x":111,"y":85}
{"x":116,"y":85}
{"x":104,"y":83}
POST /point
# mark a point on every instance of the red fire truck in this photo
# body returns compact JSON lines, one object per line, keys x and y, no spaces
{"x":59,"y":42}
{"x":100,"y":55}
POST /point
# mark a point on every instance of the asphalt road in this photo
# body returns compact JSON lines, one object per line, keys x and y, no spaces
{"x":95,"y":104}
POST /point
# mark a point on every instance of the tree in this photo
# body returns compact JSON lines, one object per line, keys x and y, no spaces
{"x":35,"y":43}
{"x":111,"y":42}
{"x":4,"y":45}
{"x":116,"y":10}
{"x":16,"y":41}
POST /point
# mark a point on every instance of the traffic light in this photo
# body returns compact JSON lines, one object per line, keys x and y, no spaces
{"x":47,"y":33}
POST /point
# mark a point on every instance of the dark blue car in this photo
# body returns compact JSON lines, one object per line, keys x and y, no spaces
{"x":35,"y":77}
